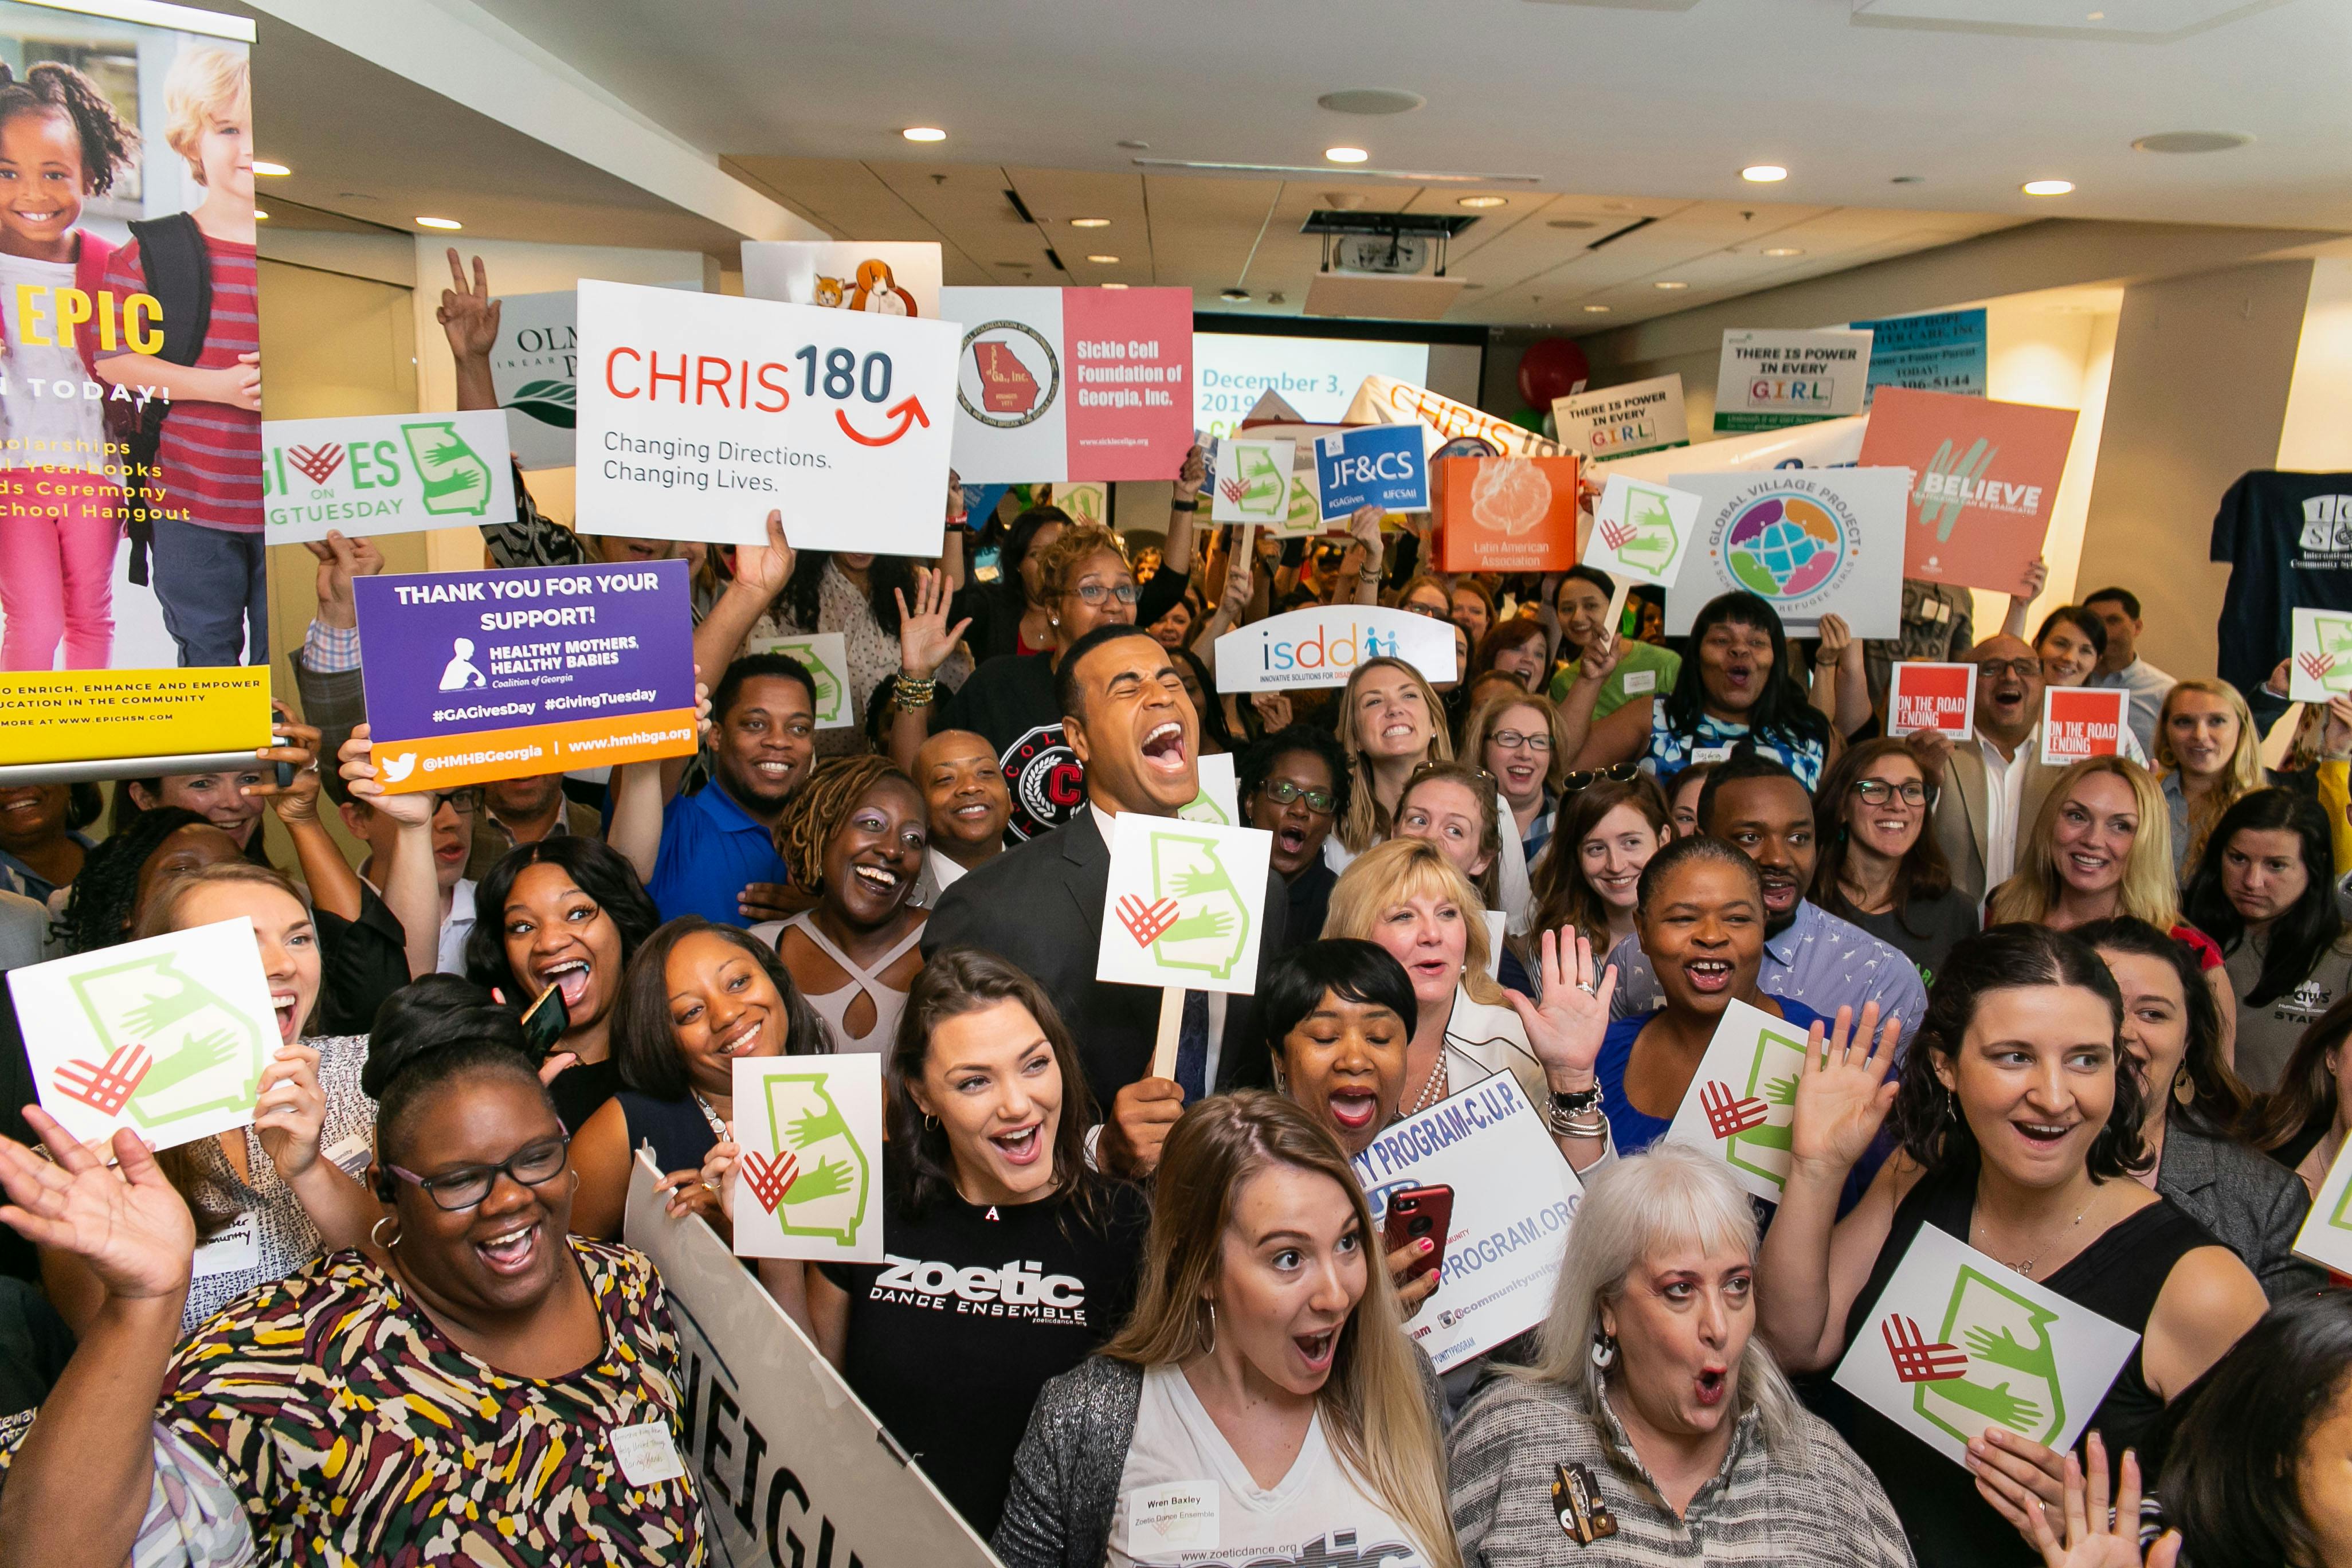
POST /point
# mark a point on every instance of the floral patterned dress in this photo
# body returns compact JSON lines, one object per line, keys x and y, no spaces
{"x":326,"y":1419}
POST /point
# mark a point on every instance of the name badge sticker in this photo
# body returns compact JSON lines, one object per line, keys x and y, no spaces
{"x":232,"y":1251}
{"x":1637,"y":681}
{"x":1709,"y":754}
{"x":351,"y":1154}
{"x":1176,"y":1515}
{"x":647,"y":1454}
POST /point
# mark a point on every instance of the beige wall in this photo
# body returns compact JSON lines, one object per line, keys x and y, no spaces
{"x":2203,"y":368}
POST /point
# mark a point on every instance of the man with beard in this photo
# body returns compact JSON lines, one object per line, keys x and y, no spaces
{"x":1810,"y":956}
{"x":525,"y":811}
{"x":1988,"y":790}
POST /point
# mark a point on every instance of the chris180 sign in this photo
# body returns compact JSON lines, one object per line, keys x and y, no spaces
{"x":698,"y":413}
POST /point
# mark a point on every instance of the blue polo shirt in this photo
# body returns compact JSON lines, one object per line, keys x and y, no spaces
{"x":712,"y":850}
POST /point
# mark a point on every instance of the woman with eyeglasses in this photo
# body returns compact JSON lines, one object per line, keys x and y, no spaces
{"x":1732,"y":687}
{"x":1608,"y":831}
{"x":1518,"y":740}
{"x":1879,"y":867}
{"x":346,"y":1410}
{"x":1295,"y":785}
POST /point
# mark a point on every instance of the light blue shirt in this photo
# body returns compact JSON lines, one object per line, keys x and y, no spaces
{"x":1821,"y":961}
{"x":2147,"y":686}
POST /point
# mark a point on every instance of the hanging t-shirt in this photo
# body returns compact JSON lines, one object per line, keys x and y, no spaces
{"x":973,"y":1308}
{"x":1010,"y":701}
{"x":1185,"y":1497}
{"x":2288,"y":538}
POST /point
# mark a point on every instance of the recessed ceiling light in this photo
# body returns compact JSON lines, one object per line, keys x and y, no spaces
{"x":438,"y":222}
{"x":1668,"y":284}
{"x":1596,"y":309}
{"x":2047,"y":187}
{"x":1090,"y":223}
{"x":1346,"y":154}
{"x":263,"y":166}
{"x":1234,"y":294}
{"x":1785,"y":250}
{"x":1763,"y":173}
{"x":1480,"y":202}
{"x":1103,"y":260}
{"x":1110,"y":285}
{"x":2191,"y":141}
{"x":259,"y":216}
{"x":1372,"y":100}
{"x":924,"y":133}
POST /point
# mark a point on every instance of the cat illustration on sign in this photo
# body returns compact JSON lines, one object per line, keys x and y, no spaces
{"x":828,"y":293}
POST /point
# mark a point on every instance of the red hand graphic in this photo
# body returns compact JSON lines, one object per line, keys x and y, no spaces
{"x":769,"y":1179}
{"x":1726,"y":1114}
{"x":909,"y":414}
{"x":1232,"y":490}
{"x":2316,"y":665}
{"x":107,"y":1089}
{"x":1916,"y":1362}
{"x":1144,"y":922}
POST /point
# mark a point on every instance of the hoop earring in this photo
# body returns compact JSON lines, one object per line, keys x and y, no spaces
{"x":375,"y":1236}
{"x":2184,"y":1087}
{"x":575,"y":1180}
{"x":930,"y":1122}
{"x":1213,"y":1327}
{"x":1604,"y":1349}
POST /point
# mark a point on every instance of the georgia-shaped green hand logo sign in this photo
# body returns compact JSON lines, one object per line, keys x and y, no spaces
{"x":824,"y":1173}
{"x":1211,"y":919}
{"x":2013,"y":1368}
{"x":195,"y":1052}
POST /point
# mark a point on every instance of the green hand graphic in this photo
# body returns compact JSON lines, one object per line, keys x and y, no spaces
{"x":1212,"y":926}
{"x":1781,"y":1092}
{"x":1191,"y":928}
{"x":829,"y":1197}
{"x":2004,"y":1332}
{"x":198,"y":1053}
{"x":812,"y":1125}
{"x":158,"y":1014}
{"x":2003,"y":1350}
{"x":208,"y":1052}
{"x":454,"y":479}
{"x":1996,"y":1405}
{"x":830,"y":1179}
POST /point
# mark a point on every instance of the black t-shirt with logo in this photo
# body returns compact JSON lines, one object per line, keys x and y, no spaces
{"x":2288,"y":538}
{"x":1009,"y":701}
{"x":976,"y":1306}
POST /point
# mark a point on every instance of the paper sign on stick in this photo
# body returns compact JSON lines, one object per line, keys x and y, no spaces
{"x":1940,"y":698}
{"x":1515,"y":1200}
{"x":1250,"y":481}
{"x":1641,"y":530}
{"x":1808,"y":542}
{"x":2320,"y":663}
{"x":383,"y":473}
{"x":1958,"y":1342}
{"x":1375,"y":464}
{"x":1063,"y":384}
{"x":1186,"y":905}
{"x":1322,"y":647}
{"x":505,"y":673}
{"x":2079,"y":722}
{"x":1219,"y":801}
{"x":809,"y":1182}
{"x":1984,"y":481}
{"x":1765,"y":379}
{"x":167,"y":1036}
{"x":2325,"y":1237}
{"x":884,"y":278}
{"x":698,"y":413}
{"x":1618,"y":421}
{"x":827,"y":654}
{"x":1505,"y":514}
{"x":1743,"y":1096}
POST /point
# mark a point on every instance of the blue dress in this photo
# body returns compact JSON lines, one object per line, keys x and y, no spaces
{"x":1632,"y":1130}
{"x":1671,"y":751}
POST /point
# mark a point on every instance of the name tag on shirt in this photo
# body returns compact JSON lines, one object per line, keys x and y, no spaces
{"x":1709,"y":754}
{"x":235,"y":1249}
{"x":1176,"y":1515}
{"x":1639,"y":680}
{"x":350,"y":1154}
{"x":647,"y":1454}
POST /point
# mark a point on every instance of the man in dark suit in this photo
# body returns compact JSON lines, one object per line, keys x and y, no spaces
{"x":1039,"y":905}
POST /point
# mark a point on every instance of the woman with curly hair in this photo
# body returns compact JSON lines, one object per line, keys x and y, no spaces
{"x":855,"y":836}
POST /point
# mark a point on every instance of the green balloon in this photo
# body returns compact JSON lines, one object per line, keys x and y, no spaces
{"x":1528,"y":419}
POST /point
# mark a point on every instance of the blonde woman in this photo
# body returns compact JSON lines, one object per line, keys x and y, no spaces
{"x":1651,"y":1337}
{"x":2209,"y":749}
{"x":2102,"y":847}
{"x":1406,"y":897}
{"x":1266,"y":1365}
{"x":1390,"y":721}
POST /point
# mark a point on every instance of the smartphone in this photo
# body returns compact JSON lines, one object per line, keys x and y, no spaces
{"x":285,"y":770}
{"x":1417,"y":1213}
{"x":544,"y":1022}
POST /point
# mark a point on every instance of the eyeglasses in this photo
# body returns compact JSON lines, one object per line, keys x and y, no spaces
{"x":465,"y":802}
{"x":467,"y":1185}
{"x":1282,"y":792}
{"x":1511,"y":741}
{"x":1095,"y":593}
{"x":2023,"y":668}
{"x":1874,"y":792}
{"x":1582,"y":778}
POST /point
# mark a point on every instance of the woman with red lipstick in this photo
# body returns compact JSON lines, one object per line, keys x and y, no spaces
{"x":855,"y":835}
{"x":468,"y":1324}
{"x":2018,"y":1113}
{"x":1730,"y":687}
{"x":269,"y":1197}
{"x":1390,"y":721}
{"x":1265,"y":1379}
{"x":697,"y":999}
{"x":1651,"y":1403}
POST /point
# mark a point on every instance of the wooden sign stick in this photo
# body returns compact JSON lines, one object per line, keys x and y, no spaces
{"x":1615,"y":617}
{"x":1172,"y":1024}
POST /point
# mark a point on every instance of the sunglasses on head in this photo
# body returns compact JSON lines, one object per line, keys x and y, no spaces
{"x":1578,"y":779}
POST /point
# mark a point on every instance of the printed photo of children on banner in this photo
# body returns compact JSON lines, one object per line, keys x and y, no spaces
{"x":131,"y":488}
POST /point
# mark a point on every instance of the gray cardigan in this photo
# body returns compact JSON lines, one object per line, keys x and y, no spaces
{"x":2253,"y":1204}
{"x":1065,"y":1472}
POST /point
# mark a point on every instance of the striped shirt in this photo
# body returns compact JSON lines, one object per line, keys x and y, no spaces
{"x":208,"y":467}
{"x":1814,"y":1504}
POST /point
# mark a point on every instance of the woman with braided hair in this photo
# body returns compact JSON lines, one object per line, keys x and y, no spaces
{"x":855,"y":835}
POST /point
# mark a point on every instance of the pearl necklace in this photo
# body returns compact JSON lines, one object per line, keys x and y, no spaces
{"x":1433,"y":1087}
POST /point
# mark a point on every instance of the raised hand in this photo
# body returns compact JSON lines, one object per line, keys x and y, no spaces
{"x":1191,"y":476}
{"x":926,"y":641}
{"x":290,"y":1118}
{"x":1239,"y":586}
{"x":1930,"y":750}
{"x":1274,"y":707}
{"x":131,"y":1229}
{"x":2096,"y":1536}
{"x":1843,"y":1093}
{"x":1565,"y":1029}
{"x":413,"y":808}
{"x":1835,"y":635}
{"x":297,"y":802}
{"x":468,"y":316}
{"x":2029,"y":586}
{"x":2336,"y":730}
{"x":341,"y":560}
{"x":1601,"y":657}
{"x":764,"y":569}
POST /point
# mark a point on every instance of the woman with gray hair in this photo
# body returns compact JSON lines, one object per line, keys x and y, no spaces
{"x":1649,"y":1427}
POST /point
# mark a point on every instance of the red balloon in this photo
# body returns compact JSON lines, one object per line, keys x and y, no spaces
{"x":1553,"y":368}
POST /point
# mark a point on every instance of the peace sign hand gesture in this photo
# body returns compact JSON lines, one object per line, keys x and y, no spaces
{"x":1566,"y":1028}
{"x":131,"y":1229}
{"x":1842,"y":1091}
{"x":926,"y":641}
{"x":467,"y":314}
